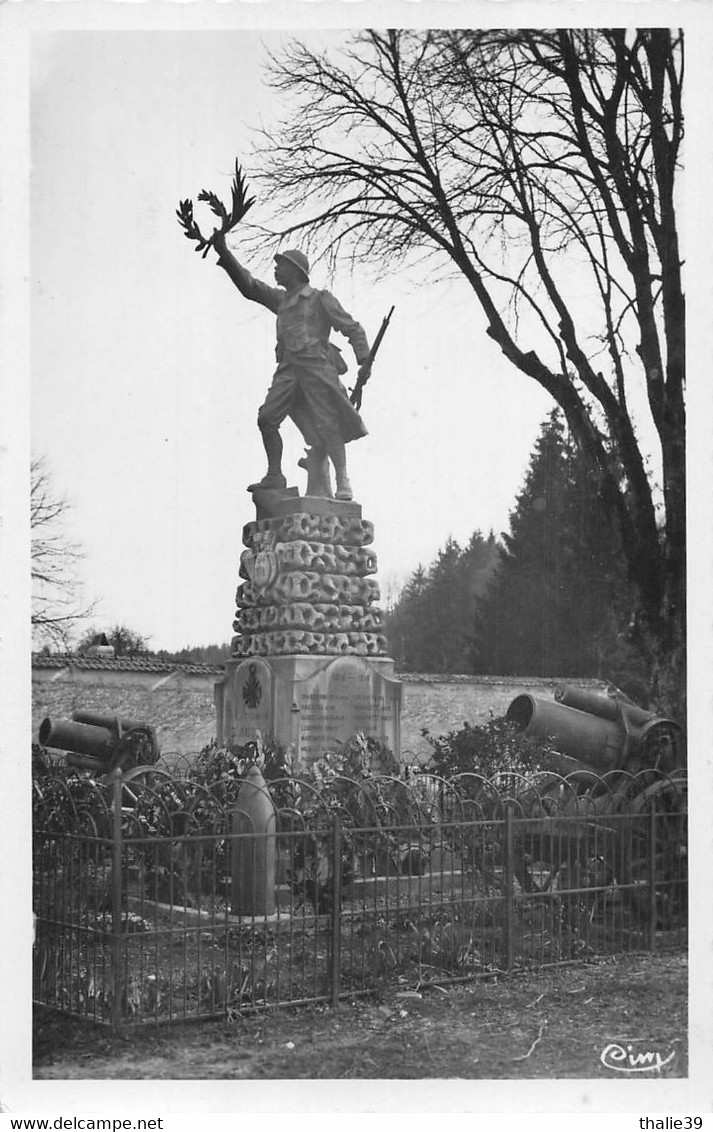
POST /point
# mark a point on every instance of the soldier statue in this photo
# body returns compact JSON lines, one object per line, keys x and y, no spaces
{"x":306,"y":385}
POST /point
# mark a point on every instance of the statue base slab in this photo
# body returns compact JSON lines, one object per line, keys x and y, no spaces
{"x":273,"y":503}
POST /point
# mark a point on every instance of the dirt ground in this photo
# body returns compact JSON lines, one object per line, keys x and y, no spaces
{"x":546,"y":1025}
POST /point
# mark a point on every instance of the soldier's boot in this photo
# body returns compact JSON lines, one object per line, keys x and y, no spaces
{"x":272,"y":442}
{"x":316,"y":464}
{"x":338,"y":456}
{"x":344,"y":489}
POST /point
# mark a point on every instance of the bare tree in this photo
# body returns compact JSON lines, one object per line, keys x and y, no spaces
{"x":57,"y":608}
{"x":542,"y":167}
{"x":125,"y":642}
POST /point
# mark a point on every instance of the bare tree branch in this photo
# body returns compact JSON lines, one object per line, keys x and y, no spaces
{"x":57,"y":608}
{"x":540,"y":165}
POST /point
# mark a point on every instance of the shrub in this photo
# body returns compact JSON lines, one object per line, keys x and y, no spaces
{"x":493,"y":748}
{"x":228,"y":765}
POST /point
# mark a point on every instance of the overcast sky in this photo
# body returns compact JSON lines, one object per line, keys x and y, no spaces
{"x":148,"y":367}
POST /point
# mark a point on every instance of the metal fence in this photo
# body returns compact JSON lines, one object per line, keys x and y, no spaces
{"x":140,"y":887}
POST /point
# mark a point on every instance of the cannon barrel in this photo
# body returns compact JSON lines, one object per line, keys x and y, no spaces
{"x":599,"y":731}
{"x":99,"y":719}
{"x":590,"y":739}
{"x":598,"y":703}
{"x":80,"y":738}
{"x":101,"y":742}
{"x":652,"y":741}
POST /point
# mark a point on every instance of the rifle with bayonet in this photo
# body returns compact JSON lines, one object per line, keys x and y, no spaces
{"x":356,"y":392}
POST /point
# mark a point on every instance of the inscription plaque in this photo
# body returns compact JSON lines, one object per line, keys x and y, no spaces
{"x":346,"y":696}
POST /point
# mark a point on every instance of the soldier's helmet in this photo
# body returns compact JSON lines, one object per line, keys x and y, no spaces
{"x":297,"y":258}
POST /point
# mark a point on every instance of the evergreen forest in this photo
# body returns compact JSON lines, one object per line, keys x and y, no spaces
{"x":549,"y":597}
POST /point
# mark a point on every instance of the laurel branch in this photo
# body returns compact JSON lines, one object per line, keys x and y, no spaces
{"x":240,"y":204}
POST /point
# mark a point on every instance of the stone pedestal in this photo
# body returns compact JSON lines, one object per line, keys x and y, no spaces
{"x":309,"y":703}
{"x":309,"y":660}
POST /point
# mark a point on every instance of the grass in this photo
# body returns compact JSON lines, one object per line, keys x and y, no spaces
{"x":552,"y":1024}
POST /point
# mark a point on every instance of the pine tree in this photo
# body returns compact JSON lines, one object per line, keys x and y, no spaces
{"x":560,"y":603}
{"x":429,"y":629}
{"x":403,"y":621}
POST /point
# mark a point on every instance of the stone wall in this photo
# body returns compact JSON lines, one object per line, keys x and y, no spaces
{"x":178,"y":700}
{"x":442,"y":703}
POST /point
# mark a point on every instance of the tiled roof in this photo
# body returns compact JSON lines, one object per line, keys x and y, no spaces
{"x":123,"y":664}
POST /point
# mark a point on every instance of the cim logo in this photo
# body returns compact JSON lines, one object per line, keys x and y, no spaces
{"x":623,"y":1059}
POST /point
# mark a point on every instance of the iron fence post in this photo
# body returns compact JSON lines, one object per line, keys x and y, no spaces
{"x":652,"y":875}
{"x":116,"y":901}
{"x":509,"y":887}
{"x":336,"y":907}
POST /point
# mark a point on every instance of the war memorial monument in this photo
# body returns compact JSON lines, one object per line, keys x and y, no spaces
{"x":309,"y":662}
